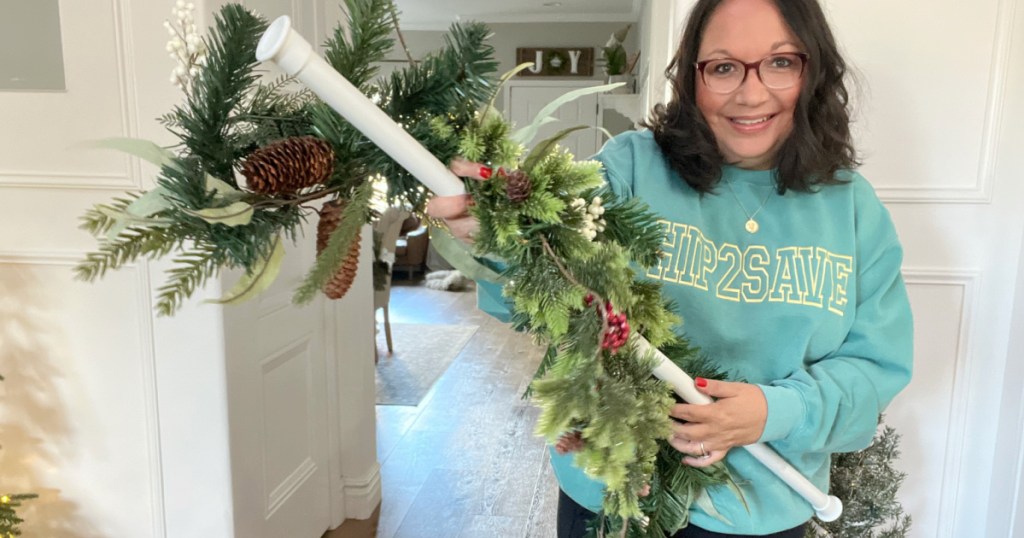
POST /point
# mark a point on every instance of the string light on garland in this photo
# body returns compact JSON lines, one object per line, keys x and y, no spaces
{"x":10,"y":523}
{"x":9,"y":520}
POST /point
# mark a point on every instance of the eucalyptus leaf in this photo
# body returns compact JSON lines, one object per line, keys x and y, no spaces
{"x":130,"y":219}
{"x":144,"y":149}
{"x":735,"y":488}
{"x":258,"y":280}
{"x":137,"y":212}
{"x":220,"y":186}
{"x":526,"y":134}
{"x":236,"y":214}
{"x":547,"y":120}
{"x":546,"y":146}
{"x":514,"y":71}
{"x":457,"y":253}
{"x":504,"y":78}
{"x":704,"y":502}
{"x":150,"y":203}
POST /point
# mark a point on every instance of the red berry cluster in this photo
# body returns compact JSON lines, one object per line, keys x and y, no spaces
{"x":618,"y":327}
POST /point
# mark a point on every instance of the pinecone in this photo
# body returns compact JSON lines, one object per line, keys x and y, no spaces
{"x":330,"y":217}
{"x":518,"y":186}
{"x":289,"y":165}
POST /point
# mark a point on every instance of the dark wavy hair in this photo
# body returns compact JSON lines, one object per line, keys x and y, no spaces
{"x":819,"y":144}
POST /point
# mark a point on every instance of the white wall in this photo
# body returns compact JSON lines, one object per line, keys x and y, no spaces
{"x":1006,"y":512}
{"x":120,"y":420}
{"x":90,"y":421}
{"x":509,"y":36}
{"x":660,"y":27}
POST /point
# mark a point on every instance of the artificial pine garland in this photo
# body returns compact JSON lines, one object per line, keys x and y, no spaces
{"x":211,"y":221}
{"x":569,"y":246}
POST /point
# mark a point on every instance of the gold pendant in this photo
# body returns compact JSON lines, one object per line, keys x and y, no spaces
{"x":752,"y":226}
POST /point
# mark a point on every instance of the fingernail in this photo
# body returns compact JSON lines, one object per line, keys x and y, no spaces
{"x":485,"y":172}
{"x":701,"y":382}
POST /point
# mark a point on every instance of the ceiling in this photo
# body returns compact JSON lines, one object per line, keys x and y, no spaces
{"x":439,"y":14}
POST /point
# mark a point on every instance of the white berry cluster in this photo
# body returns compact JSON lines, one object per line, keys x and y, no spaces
{"x":593,"y":222}
{"x":185,"y":47}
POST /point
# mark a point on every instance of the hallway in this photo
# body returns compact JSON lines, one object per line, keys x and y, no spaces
{"x":464,"y":462}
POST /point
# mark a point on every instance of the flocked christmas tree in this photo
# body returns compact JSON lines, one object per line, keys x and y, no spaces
{"x":10,"y":522}
{"x":867,"y":482}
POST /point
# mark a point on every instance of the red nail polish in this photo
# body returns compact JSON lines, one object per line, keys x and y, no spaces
{"x":485,"y":172}
{"x":701,"y":382}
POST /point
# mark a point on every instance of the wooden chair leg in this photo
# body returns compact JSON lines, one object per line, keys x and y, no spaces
{"x":387,"y":331}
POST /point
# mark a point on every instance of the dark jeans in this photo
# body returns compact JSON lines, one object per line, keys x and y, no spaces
{"x":573,"y":519}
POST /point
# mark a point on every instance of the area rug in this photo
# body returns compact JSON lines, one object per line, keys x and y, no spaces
{"x":422,"y":353}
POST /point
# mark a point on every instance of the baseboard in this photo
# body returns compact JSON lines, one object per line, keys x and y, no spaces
{"x":362,"y":494}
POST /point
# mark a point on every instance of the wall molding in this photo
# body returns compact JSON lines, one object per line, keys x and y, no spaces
{"x":148,"y":365}
{"x":442,"y":25}
{"x":132,"y":177}
{"x":289,"y":486}
{"x":981,"y":191}
{"x":362,"y":494}
{"x":954,"y":465}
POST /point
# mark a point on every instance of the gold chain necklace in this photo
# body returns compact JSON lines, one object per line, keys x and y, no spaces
{"x":752,"y":226}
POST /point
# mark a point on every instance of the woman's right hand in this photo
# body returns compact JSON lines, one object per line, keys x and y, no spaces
{"x":454,"y":210}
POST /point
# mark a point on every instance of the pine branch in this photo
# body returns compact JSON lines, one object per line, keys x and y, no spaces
{"x":202,"y":122}
{"x":633,"y":225}
{"x":127,"y":247}
{"x":194,"y":269}
{"x":352,"y":150}
{"x":456,"y":79}
{"x":9,"y":520}
{"x":272,"y":112}
{"x":369,"y":24}
{"x":97,"y":220}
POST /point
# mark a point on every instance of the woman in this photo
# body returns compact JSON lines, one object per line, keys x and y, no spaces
{"x":782,"y":260}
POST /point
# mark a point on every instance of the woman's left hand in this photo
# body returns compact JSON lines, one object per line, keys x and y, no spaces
{"x":736,"y":418}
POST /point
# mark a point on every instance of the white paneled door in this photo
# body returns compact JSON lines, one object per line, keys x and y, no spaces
{"x":524,"y":99}
{"x":940,"y":121}
{"x":278,"y":408}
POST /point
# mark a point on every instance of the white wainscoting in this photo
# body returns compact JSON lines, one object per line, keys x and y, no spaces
{"x":936,"y":100}
{"x":80,"y":397}
{"x":44,"y":149}
{"x":931,"y":413}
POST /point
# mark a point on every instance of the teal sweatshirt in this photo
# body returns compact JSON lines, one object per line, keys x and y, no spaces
{"x":812,"y":308}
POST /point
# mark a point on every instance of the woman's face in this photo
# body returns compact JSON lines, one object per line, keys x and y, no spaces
{"x":751,"y":123}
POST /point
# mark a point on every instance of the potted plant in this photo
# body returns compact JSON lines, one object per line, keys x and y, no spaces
{"x":618,"y":66}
